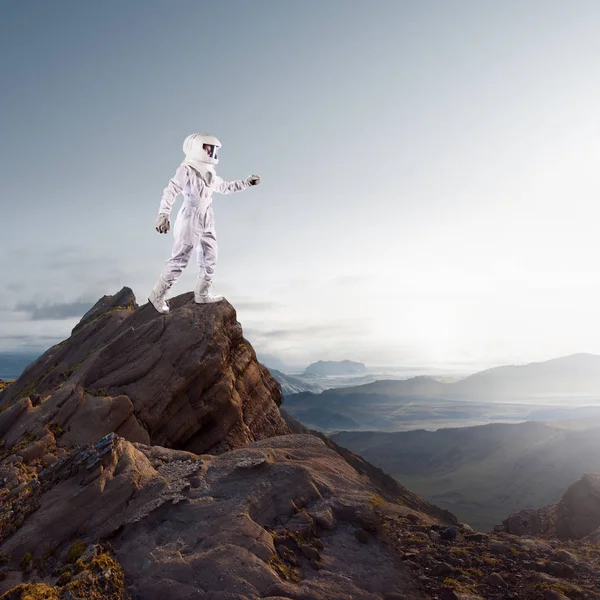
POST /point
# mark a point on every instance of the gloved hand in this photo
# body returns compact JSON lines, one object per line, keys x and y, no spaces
{"x":253,"y":180}
{"x":162,"y":223}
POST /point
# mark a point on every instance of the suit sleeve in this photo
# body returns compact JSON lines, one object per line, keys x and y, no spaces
{"x":173,"y":189}
{"x":230,"y":187}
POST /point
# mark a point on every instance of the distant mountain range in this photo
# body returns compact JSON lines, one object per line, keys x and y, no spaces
{"x":294,"y":385}
{"x":483,"y":473}
{"x":570,"y":375}
{"x":332,"y":368}
{"x":577,"y":374}
{"x":272,"y":362}
{"x":544,"y":391}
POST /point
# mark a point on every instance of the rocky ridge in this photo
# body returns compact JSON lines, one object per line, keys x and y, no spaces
{"x":188,"y":380}
{"x":220,"y":498}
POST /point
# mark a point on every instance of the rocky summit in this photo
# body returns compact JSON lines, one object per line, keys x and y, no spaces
{"x":146,"y":458}
{"x":188,"y":380}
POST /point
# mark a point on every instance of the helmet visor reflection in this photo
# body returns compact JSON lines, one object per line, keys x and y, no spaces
{"x":211,"y":150}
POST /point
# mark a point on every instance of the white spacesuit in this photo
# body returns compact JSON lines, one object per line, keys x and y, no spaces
{"x":196,"y":180}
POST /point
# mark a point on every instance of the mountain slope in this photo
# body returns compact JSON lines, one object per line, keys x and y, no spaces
{"x":574,"y":374}
{"x":482,"y":473}
{"x":294,"y":385}
{"x":387,"y":486}
{"x":272,"y":362}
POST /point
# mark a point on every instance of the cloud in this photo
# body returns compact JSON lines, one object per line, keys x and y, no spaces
{"x":29,"y":338}
{"x":61,"y":256}
{"x":76,"y":265}
{"x":36,"y":344}
{"x":14,"y":286}
{"x":54,"y":312}
{"x":306,"y":333}
{"x":58,"y":287}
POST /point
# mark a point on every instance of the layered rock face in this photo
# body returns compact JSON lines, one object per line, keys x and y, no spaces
{"x":188,"y":380}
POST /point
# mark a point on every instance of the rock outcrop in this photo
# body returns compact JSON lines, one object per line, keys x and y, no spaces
{"x":188,"y":380}
{"x":576,"y":516}
{"x":387,"y":486}
{"x":278,"y":518}
{"x":578,"y":512}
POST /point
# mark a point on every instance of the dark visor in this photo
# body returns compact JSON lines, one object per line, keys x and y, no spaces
{"x":211,"y":150}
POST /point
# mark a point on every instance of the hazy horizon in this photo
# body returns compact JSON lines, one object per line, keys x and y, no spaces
{"x":429,"y":171}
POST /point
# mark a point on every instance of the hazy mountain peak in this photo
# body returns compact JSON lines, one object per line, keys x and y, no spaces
{"x":330,"y":367}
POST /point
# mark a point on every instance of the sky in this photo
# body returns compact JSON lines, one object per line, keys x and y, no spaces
{"x":429,"y":170}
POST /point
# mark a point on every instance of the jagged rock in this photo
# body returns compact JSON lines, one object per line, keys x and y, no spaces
{"x":322,"y":515}
{"x":575,"y":516}
{"x":529,"y":522}
{"x":187,"y":380}
{"x":169,"y":542}
{"x":578,"y":513}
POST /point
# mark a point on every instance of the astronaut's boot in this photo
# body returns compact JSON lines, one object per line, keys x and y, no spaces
{"x":202,"y":293}
{"x":158,"y":295}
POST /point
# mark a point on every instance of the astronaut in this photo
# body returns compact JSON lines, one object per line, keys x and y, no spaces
{"x":194,"y":227}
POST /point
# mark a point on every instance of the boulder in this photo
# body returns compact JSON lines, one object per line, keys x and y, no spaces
{"x":578,"y":512}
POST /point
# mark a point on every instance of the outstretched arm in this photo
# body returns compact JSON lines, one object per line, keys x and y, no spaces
{"x":230,"y":187}
{"x":173,"y":189}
